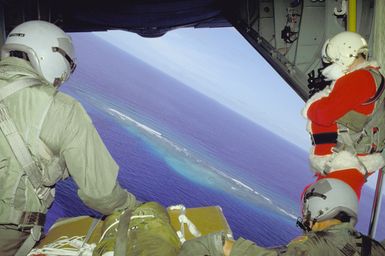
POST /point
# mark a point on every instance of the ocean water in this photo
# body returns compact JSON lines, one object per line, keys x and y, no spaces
{"x":174,"y":145}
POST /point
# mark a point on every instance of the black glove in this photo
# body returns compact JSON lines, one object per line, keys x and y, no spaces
{"x":316,"y":83}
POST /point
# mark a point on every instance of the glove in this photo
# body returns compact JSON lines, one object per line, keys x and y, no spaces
{"x":211,"y":244}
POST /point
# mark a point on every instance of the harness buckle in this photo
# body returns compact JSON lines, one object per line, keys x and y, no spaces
{"x":42,"y":192}
{"x":46,"y":195}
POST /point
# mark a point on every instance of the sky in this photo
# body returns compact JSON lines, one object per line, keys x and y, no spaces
{"x":221,"y":64}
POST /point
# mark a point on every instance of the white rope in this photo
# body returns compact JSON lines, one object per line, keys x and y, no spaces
{"x":107,"y":229}
{"x":183,"y":219}
{"x":142,"y":216}
{"x":65,"y":246}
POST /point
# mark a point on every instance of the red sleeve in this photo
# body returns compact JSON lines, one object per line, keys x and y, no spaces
{"x":349,"y":92}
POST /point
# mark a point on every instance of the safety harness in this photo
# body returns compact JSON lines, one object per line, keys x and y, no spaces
{"x":27,"y":221}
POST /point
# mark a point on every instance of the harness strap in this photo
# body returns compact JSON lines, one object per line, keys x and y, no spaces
{"x":17,"y":144}
{"x":30,"y":242}
{"x":31,"y":221}
{"x":366,"y":246}
{"x":17,"y":85}
{"x":378,"y":93}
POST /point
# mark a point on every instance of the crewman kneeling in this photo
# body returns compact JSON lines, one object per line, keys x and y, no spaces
{"x":329,"y":214}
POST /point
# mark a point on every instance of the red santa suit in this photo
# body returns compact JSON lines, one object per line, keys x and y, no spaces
{"x":350,"y":92}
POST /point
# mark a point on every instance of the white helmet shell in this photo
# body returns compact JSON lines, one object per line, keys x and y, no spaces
{"x":49,"y":49}
{"x":344,"y":48}
{"x":326,"y":198}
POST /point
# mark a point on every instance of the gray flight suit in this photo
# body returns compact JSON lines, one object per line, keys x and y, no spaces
{"x":55,"y":127}
{"x":337,"y":240}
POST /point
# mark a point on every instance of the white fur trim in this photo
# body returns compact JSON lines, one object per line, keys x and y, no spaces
{"x":373,"y":162}
{"x":318,"y":162}
{"x":334,"y":72}
{"x":364,"y":65}
{"x":346,"y":160}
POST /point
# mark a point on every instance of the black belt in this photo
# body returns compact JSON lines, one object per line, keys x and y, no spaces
{"x":324,"y":138}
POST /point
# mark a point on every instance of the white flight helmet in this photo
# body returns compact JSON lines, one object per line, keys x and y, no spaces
{"x":328,"y":197}
{"x":48,"y":48}
{"x":344,"y":48}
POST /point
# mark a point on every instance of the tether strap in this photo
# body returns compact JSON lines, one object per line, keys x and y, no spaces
{"x":366,"y":246}
{"x":324,"y":138}
{"x":122,"y":235}
{"x":91,"y":230}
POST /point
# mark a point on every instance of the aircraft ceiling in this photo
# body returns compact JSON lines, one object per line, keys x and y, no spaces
{"x":289,"y":34}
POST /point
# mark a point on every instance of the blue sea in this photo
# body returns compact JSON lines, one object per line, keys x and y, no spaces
{"x":176,"y":146}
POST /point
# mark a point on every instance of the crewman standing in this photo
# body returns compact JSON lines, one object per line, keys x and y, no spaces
{"x":346,"y":120}
{"x":46,"y":136}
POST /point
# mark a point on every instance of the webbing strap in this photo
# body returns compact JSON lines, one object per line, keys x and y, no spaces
{"x":91,"y":230}
{"x":366,"y":249}
{"x":17,"y":85}
{"x":378,"y":93}
{"x":122,"y":235}
{"x":30,"y":242}
{"x":23,"y":155}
